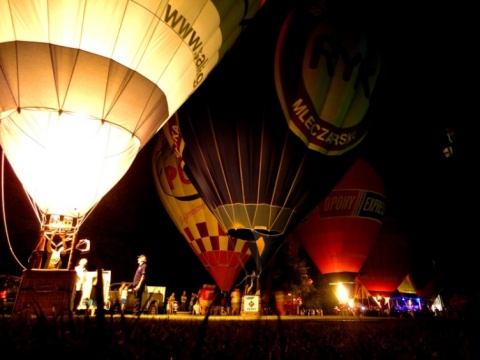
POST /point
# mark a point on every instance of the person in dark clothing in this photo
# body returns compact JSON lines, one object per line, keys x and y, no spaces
{"x":183,"y":301}
{"x":92,"y":301}
{"x":139,"y":282}
{"x":36,"y":258}
{"x":193,"y":300}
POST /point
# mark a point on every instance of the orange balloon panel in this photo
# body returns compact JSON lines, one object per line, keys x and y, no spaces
{"x":340,"y":232}
{"x":223,"y":256}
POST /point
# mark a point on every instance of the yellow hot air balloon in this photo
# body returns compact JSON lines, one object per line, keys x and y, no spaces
{"x":85,"y":84}
{"x":222,"y":255}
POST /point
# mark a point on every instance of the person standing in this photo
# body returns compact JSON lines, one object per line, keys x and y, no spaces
{"x":55,"y":252}
{"x":196,"y":307}
{"x":36,"y":258}
{"x":193,"y":300}
{"x":92,"y":299}
{"x":206,"y":296}
{"x":81,"y":270}
{"x":236,"y":298}
{"x":139,"y":283}
{"x":183,"y":301}
{"x":123,"y":296}
{"x":171,"y":304}
{"x":81,"y":249}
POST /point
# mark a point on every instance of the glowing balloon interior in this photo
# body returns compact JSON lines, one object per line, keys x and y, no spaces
{"x":84,"y":84}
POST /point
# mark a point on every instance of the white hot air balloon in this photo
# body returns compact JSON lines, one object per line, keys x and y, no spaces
{"x":85,"y":84}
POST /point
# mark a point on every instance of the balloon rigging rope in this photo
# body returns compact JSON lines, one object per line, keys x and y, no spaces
{"x":4,"y":214}
{"x":258,"y":271}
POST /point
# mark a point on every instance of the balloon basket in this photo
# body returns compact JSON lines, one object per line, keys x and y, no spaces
{"x":48,"y":292}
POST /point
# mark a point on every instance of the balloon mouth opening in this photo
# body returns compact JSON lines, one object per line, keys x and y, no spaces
{"x":252,"y":234}
{"x":341,"y":277}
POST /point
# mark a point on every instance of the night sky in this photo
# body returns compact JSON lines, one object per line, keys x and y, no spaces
{"x":431,"y":86}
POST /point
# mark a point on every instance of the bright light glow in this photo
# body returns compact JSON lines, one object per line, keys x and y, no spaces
{"x":66,"y":163}
{"x":382,"y":300}
{"x":342,"y":293}
{"x":60,"y":223}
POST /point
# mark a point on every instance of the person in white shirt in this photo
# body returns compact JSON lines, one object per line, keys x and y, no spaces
{"x":81,"y":270}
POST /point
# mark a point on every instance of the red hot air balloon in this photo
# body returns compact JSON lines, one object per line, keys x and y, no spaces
{"x":340,"y":232}
{"x":388,"y":263}
{"x":222,"y":255}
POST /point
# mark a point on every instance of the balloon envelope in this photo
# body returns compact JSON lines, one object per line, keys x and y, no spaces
{"x":223,"y":256}
{"x":264,"y":148}
{"x":84,"y":84}
{"x":426,"y":278}
{"x":388,"y":263}
{"x":406,"y":287}
{"x":340,"y":232}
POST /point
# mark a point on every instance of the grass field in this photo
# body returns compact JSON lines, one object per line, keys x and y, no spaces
{"x":243,"y":337}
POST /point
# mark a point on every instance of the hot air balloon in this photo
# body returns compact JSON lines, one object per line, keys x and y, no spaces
{"x":84,"y":85}
{"x":406,"y":287}
{"x":340,"y":232}
{"x":427,"y":278}
{"x":223,"y":256}
{"x":388,"y":263}
{"x":263,"y":149}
